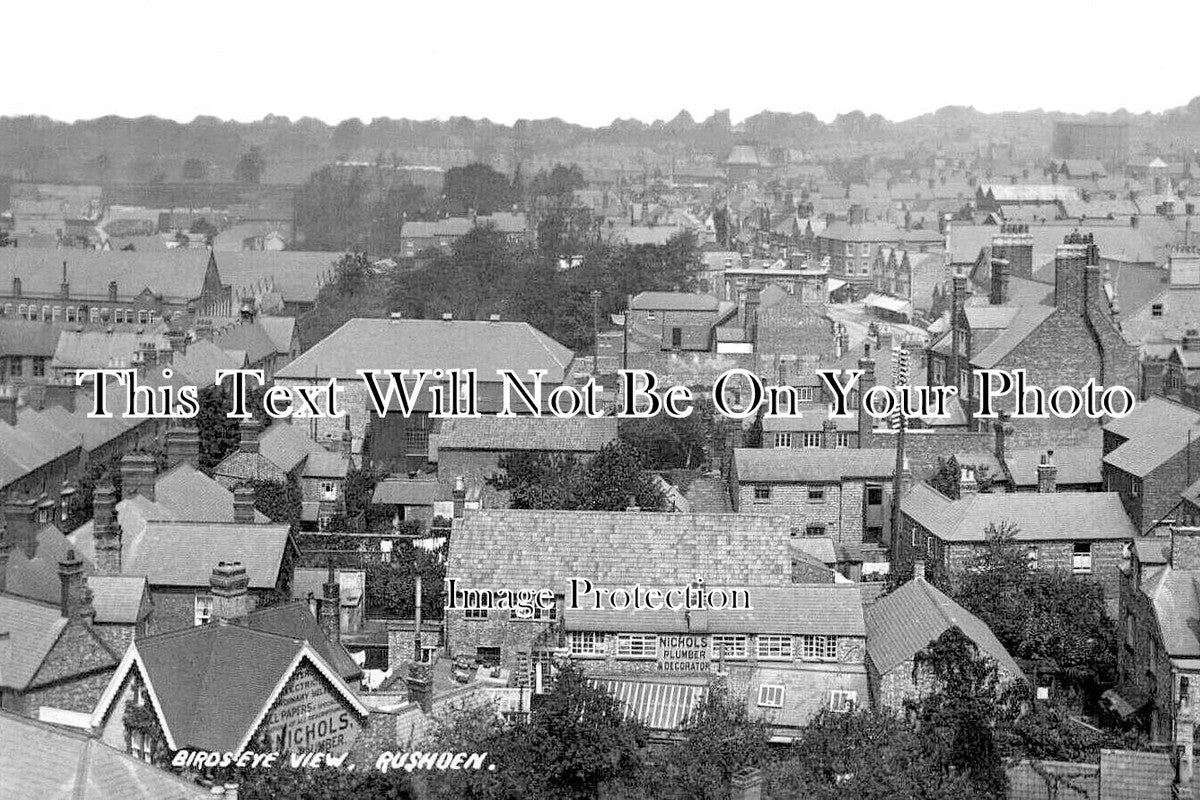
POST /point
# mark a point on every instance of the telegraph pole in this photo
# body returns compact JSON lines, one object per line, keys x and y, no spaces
{"x":595,"y":295}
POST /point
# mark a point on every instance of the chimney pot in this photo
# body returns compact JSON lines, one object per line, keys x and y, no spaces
{"x":248,"y":430}
{"x":229,"y":584}
{"x":1047,"y":474}
{"x":243,"y":505}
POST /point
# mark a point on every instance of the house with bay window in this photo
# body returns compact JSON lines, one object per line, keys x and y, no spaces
{"x":787,"y":649}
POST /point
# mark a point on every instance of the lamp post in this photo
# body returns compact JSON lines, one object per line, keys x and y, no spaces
{"x":595,"y":295}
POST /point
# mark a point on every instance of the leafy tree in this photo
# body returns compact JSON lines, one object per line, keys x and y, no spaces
{"x":205,"y":228}
{"x":716,"y":741}
{"x":355,"y":291}
{"x":391,"y":586}
{"x":559,"y":183}
{"x":607,"y":482}
{"x":665,"y":442}
{"x":476,"y":187}
{"x":195,"y":169}
{"x":280,"y":502}
{"x":250,"y":166}
{"x":219,"y":434}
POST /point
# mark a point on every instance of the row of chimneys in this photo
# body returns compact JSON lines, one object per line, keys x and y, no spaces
{"x":1047,"y":476}
{"x":64,"y":288}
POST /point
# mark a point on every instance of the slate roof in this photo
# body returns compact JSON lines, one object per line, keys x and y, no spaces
{"x":1129,"y":773}
{"x":1023,"y":324}
{"x":1076,"y":464}
{"x":177,"y":274}
{"x":432,"y":344}
{"x":786,"y":465}
{"x":32,"y":629}
{"x":100,"y":349}
{"x":673,"y":301}
{"x":572,"y":434}
{"x":247,"y":337}
{"x":32,"y":443}
{"x":296,"y":274}
{"x":117,"y":598}
{"x":1028,"y":193}
{"x":905,"y":622}
{"x":281,"y":330}
{"x":211,"y":682}
{"x":824,"y":608}
{"x":286,"y":445}
{"x":1156,"y":430}
{"x":507,"y":548}
{"x":405,"y":492}
{"x":325,"y":464}
{"x":201,"y":362}
{"x":1174,"y":595}
{"x":81,"y":768}
{"x":879,"y":232}
{"x":25,"y":338}
{"x":1054,"y":516}
{"x":295,"y":621}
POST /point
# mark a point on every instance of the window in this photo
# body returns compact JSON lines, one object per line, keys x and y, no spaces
{"x":71,"y":314}
{"x":814,"y":530}
{"x":94,"y":314}
{"x":650,"y":316}
{"x":1156,"y":310}
{"x":141,"y":316}
{"x":328,"y":490}
{"x":762,"y":492}
{"x":56,"y":313}
{"x":731,"y":645}
{"x":770,"y":695}
{"x":140,"y":746}
{"x":39,"y":367}
{"x":778,"y":648}
{"x":843,"y":440}
{"x":866,"y":248}
{"x":676,"y":337}
{"x":913,"y":536}
{"x":1135,"y":487}
{"x":929,"y":545}
{"x":818,"y":648}
{"x":538,"y":615}
{"x":15,"y":367}
{"x":637,"y":645}
{"x":416,"y":435}
{"x":385,"y":551}
{"x":812,"y":439}
{"x":783,"y":440}
{"x":842,"y":702}
{"x":488,"y":656}
{"x":475,"y":613}
{"x":849,"y":249}
{"x":806,"y":394}
{"x":587,"y":643}
{"x":203,"y":608}
{"x":1032,"y":555}
{"x":874,"y":495}
{"x":1081,"y":559}
{"x":816,"y":494}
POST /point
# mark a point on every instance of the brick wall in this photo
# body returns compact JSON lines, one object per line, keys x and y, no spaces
{"x":79,"y":694}
{"x":175,"y":607}
{"x":840,"y":512}
{"x":465,"y":635}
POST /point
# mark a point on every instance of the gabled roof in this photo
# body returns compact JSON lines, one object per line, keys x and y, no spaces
{"x":295,"y":621}
{"x":32,"y":443}
{"x":25,"y":338}
{"x":905,"y":622}
{"x":878,"y":232}
{"x":247,"y":337}
{"x":787,"y":465}
{"x":177,"y":274}
{"x":212,"y":685}
{"x":81,"y":768}
{"x":1023,"y":323}
{"x":1156,"y":430}
{"x":1076,"y":464}
{"x":32,"y":628}
{"x":570,"y":434}
{"x":117,"y":598}
{"x":286,"y":445}
{"x":548,"y":548}
{"x":673,"y":301}
{"x":432,"y":344}
{"x":1053,"y":516}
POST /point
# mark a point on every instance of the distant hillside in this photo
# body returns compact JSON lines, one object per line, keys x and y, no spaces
{"x":151,"y":150}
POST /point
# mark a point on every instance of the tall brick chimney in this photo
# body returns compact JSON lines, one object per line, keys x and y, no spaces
{"x":867,"y":365}
{"x":958,"y":300}
{"x":248,"y":430}
{"x":106,"y":530}
{"x":967,"y":485}
{"x":243,"y":505}
{"x":419,"y":681}
{"x":229,"y":585}
{"x":138,"y":471}
{"x":19,"y":524}
{"x":1185,"y":548}
{"x":331,"y":607}
{"x":829,"y":434}
{"x":1070,"y":259}
{"x":5,"y":551}
{"x":750,"y":314}
{"x":75,"y":599}
{"x":1047,"y":474}
{"x":1002,"y":430}
{"x":1014,"y":244}
{"x":999,"y":293}
{"x":183,"y":445}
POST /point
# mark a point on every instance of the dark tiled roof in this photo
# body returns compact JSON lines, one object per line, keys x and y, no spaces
{"x":117,"y":598}
{"x":674,"y":301}
{"x":295,"y":621}
{"x":785,"y":465}
{"x":404,"y":492}
{"x":286,"y":445}
{"x":432,"y":344}
{"x":32,"y":628}
{"x":1024,"y":322}
{"x":1054,"y":516}
{"x":81,"y":768}
{"x":905,"y":622}
{"x":489,"y":432}
{"x":1075,"y":464}
{"x":549,"y":548}
{"x":173,"y":273}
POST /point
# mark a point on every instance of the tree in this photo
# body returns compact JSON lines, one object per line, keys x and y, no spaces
{"x":250,"y":166}
{"x":280,"y":502}
{"x":219,"y":434}
{"x":195,"y":169}
{"x":391,"y":585}
{"x":716,"y":741}
{"x":476,"y":187}
{"x":355,"y":291}
{"x":205,"y":228}
{"x":607,"y":482}
{"x":665,"y":442}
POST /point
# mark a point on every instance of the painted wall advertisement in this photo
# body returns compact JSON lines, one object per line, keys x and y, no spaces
{"x":683,"y":653}
{"x":309,"y":715}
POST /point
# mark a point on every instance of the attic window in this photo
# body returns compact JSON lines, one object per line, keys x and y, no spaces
{"x":1156,"y":310}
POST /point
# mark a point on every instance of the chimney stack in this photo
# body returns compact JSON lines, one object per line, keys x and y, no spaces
{"x":248,"y":430}
{"x":20,"y":527}
{"x":1014,"y":244}
{"x":229,"y":585}
{"x":8,"y":405}
{"x":243,"y":505}
{"x":865,"y":383}
{"x":919,"y":569}
{"x":829,"y":434}
{"x":64,"y":288}
{"x":750,"y":314}
{"x":75,"y":599}
{"x":112,"y":291}
{"x":106,"y":530}
{"x":1070,"y":261}
{"x":138,"y":471}
{"x":1185,"y":548}
{"x":958,"y":300}
{"x":1047,"y":474}
{"x":459,"y":497}
{"x":16,"y":287}
{"x":1002,"y":429}
{"x":183,"y":445}
{"x":967,"y":485}
{"x":999,"y":293}
{"x":178,"y":341}
{"x":906,"y":477}
{"x":420,"y":687}
{"x":331,"y":607}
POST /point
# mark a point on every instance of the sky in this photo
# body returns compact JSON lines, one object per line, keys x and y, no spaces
{"x":589,"y":63}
